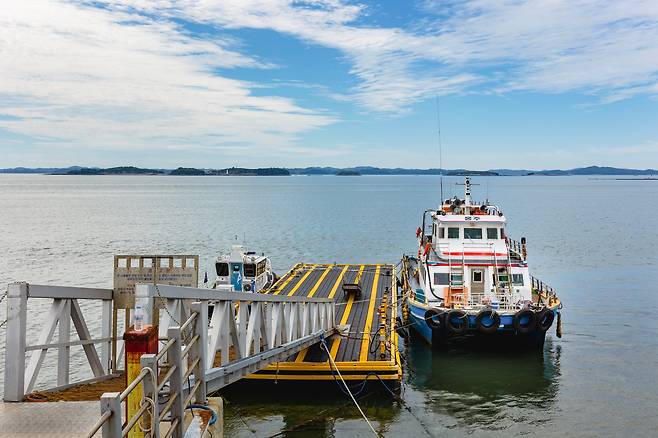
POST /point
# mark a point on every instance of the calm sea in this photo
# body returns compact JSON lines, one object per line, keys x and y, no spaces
{"x":594,"y":240}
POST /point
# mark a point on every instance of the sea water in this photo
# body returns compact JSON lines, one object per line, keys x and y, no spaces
{"x":594,"y":240}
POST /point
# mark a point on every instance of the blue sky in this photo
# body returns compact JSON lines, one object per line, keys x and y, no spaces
{"x":520,"y":84}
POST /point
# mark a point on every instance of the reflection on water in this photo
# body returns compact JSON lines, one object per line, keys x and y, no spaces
{"x":486,"y":390}
{"x":304,"y":410}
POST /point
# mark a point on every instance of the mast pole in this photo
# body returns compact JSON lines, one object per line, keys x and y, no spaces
{"x":438,"y":123}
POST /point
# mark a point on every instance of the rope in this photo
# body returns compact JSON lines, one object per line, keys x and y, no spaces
{"x":333,"y":364}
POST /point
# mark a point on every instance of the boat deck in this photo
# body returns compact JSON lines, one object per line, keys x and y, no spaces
{"x":361,"y":351}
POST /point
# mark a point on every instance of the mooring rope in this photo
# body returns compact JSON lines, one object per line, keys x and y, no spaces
{"x":333,"y":364}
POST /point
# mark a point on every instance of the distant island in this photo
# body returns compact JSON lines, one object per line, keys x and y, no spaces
{"x":347,"y":171}
{"x":122,"y":170}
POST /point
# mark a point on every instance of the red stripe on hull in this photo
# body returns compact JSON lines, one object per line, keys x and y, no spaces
{"x":498,"y":254}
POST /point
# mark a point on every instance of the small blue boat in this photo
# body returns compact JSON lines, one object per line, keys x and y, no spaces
{"x":470,"y":283}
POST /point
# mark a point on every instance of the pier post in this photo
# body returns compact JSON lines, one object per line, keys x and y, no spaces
{"x":14,"y":388}
{"x":199,"y":349}
{"x":176,"y":382}
{"x":150,"y":387}
{"x":138,"y":343}
{"x":111,"y":401}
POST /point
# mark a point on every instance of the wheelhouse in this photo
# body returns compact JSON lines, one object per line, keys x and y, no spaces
{"x":243,"y":271}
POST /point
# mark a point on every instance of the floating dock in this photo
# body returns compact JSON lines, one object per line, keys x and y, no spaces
{"x":367,"y":348}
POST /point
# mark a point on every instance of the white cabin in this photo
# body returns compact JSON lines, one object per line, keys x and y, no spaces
{"x":467,"y":260}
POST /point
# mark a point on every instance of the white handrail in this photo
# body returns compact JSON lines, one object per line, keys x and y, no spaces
{"x":20,"y":378}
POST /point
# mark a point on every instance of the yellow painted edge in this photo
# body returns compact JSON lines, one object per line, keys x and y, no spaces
{"x":301,"y":281}
{"x":343,"y":320}
{"x":291,"y":275}
{"x":363,"y":356}
{"x":394,"y":333}
{"x":324,"y":366}
{"x":320,"y":377}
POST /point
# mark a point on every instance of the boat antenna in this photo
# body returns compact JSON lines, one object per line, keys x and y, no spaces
{"x":438,"y":126}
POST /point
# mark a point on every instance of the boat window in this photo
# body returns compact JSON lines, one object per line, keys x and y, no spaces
{"x":441,"y":278}
{"x":502,"y":233}
{"x":503,"y":278}
{"x":249,"y":270}
{"x":453,"y":233}
{"x":472,"y":233}
{"x":442,"y":232}
{"x":260,"y":269}
{"x":477,"y":276}
{"x":492,"y":233}
{"x":456,"y":279}
{"x":517,"y":279}
{"x":222,"y":269}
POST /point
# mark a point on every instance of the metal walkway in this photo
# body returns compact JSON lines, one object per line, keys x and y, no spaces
{"x":52,"y":420}
{"x":196,"y":356}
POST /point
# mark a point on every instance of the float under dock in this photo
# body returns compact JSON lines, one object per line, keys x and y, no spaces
{"x":368,"y":348}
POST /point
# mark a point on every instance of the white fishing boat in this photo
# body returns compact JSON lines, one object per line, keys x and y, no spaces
{"x":243,"y":271}
{"x":470,"y":281}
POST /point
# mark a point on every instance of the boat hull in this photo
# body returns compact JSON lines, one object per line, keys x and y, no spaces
{"x":505,"y":336}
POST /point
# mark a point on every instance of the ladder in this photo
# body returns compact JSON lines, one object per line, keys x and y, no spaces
{"x":509,"y":268}
{"x":458,"y":296}
{"x":495,"y":263}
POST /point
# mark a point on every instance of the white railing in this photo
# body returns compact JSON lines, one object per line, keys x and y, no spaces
{"x":162,"y":374}
{"x":21,"y":379}
{"x":247,"y":332}
{"x":504,"y":301}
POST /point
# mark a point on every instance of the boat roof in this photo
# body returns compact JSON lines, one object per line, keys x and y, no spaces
{"x":450,"y":217}
{"x":466,"y":210}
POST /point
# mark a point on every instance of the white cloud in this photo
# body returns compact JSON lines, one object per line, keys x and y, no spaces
{"x":105,"y":78}
{"x":124,"y":75}
{"x":593,"y":46}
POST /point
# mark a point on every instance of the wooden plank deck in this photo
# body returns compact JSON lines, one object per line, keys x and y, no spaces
{"x":358,"y":354}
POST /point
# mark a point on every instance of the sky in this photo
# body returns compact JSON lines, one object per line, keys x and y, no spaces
{"x":532,"y":84}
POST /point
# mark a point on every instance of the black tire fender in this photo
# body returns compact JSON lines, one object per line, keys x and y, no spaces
{"x":459,"y":315}
{"x":545,"y":319}
{"x":527,"y":327}
{"x":434,"y":318}
{"x":487,"y":313}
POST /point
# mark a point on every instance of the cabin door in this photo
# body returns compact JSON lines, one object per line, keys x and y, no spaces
{"x":477,"y":281}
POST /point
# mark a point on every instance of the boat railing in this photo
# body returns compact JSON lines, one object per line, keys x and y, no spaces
{"x":517,"y":248}
{"x":503,"y":301}
{"x":546,"y":294}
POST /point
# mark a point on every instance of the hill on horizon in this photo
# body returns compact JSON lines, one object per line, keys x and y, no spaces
{"x":327,"y":170}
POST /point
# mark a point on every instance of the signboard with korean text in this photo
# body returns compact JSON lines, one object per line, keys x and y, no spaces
{"x":129,"y":270}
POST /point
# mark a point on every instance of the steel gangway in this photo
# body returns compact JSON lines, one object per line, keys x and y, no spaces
{"x":197,"y":355}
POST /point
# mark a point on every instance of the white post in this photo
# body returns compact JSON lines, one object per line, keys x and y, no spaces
{"x":15,"y":342}
{"x":106,"y":332}
{"x":151,"y":392}
{"x":111,"y":401}
{"x":64,"y":352}
{"x":243,"y":321}
{"x":176,"y":381}
{"x":198,"y":350}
